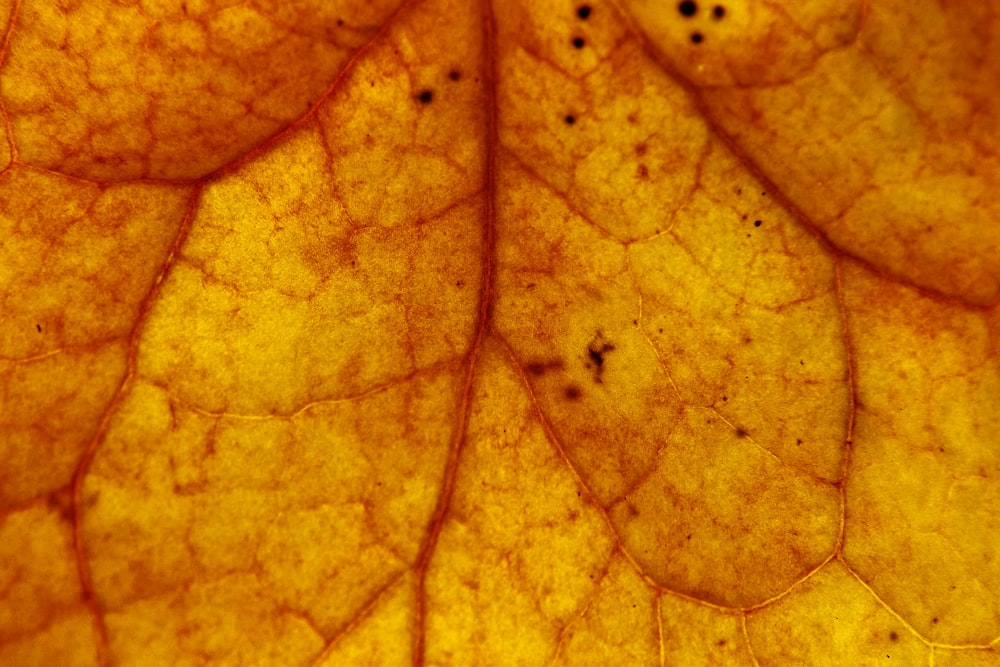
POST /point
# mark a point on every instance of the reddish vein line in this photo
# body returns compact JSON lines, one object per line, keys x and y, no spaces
{"x":15,"y":14}
{"x":80,"y":474}
{"x":482,"y":324}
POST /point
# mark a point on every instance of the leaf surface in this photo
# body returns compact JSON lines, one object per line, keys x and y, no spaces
{"x":446,"y":333}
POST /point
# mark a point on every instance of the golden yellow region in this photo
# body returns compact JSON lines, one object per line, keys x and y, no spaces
{"x":512,"y":332}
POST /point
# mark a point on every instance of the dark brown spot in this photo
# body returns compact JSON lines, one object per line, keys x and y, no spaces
{"x":757,"y":223}
{"x":718,"y":12}
{"x":426,"y":96}
{"x":583,"y":12}
{"x":535,"y":368}
{"x":641,"y":149}
{"x":578,"y":43}
{"x":893,"y":636}
{"x":687,"y":8}
{"x":39,"y":328}
{"x":597,"y":351}
{"x":643,"y":172}
{"x":572,"y":392}
{"x":934,"y":620}
{"x":570,"y":119}
{"x":741,"y":433}
{"x":697,"y":38}
{"x":454,"y":75}
{"x":721,"y":642}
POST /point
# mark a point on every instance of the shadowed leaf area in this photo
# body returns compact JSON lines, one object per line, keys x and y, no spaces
{"x":499,"y":332}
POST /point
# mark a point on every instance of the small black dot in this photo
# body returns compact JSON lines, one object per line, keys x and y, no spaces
{"x":578,"y":42}
{"x":687,"y":8}
{"x":718,"y":11}
{"x":454,"y":75}
{"x":756,"y":223}
{"x":696,"y":37}
{"x":39,"y":327}
{"x":583,"y":12}
{"x":426,"y":96}
{"x":570,"y":119}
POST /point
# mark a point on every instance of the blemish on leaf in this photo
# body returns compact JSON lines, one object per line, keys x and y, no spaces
{"x":697,"y":38}
{"x":597,"y":351}
{"x":893,"y":636}
{"x":687,"y":8}
{"x":643,"y":172}
{"x":572,"y":392}
{"x":541,"y":367}
{"x":39,"y":328}
{"x":741,"y":433}
{"x":454,"y":75}
{"x":583,"y":12}
{"x":426,"y":96}
{"x":934,"y":620}
{"x":578,"y":43}
{"x":757,"y":223}
{"x":570,"y":119}
{"x":721,"y":642}
{"x":718,"y":12}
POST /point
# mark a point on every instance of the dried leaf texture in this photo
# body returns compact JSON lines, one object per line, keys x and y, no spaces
{"x":501,"y":333}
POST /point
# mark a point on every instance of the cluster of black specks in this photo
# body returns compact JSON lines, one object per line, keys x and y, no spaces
{"x":426,"y":95}
{"x":597,"y":351}
{"x":688,"y":9}
{"x":583,"y":12}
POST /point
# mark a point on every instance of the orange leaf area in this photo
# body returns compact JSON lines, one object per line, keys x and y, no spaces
{"x":501,"y":333}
